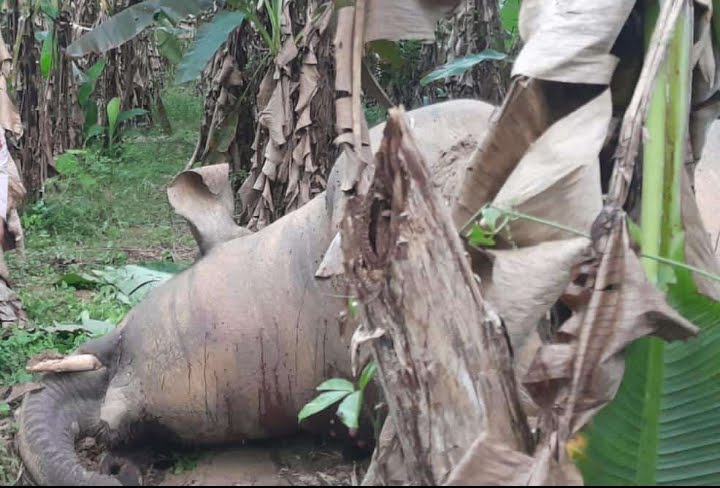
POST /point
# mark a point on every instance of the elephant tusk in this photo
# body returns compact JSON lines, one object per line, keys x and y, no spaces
{"x":75,"y":363}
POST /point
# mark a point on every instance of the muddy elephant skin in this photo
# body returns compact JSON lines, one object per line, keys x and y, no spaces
{"x":233,"y":347}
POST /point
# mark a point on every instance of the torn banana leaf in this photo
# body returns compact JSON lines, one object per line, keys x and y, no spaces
{"x":130,"y":22}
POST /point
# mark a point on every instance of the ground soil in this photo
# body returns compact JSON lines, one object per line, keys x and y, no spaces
{"x":297,"y":461}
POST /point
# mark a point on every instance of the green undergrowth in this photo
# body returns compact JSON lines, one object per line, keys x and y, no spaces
{"x":105,"y":209}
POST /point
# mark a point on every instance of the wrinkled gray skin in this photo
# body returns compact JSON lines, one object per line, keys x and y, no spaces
{"x":233,"y":347}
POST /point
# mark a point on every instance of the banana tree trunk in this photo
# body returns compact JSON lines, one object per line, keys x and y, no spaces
{"x":435,"y":337}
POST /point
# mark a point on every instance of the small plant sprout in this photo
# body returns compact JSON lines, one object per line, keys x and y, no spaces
{"x":492,"y":221}
{"x":341,"y":390}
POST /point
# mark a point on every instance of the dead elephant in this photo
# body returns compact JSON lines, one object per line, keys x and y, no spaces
{"x":232,"y":348}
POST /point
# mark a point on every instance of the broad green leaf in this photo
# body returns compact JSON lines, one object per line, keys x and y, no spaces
{"x":367,"y":375}
{"x":336,"y":384}
{"x":130,"y":22}
{"x":491,"y":216}
{"x":87,"y":181}
{"x":320,"y":403}
{"x":349,"y":410}
{"x":40,"y":36}
{"x":86,"y":90}
{"x":49,"y":9}
{"x":93,"y":327}
{"x":94,"y":131}
{"x":481,"y":237}
{"x":509,"y":15}
{"x":165,"y":266}
{"x":210,"y":37}
{"x":84,"y":93}
{"x":113,"y":112}
{"x":388,"y":51}
{"x":461,"y":65}
{"x":96,"y":70}
{"x":130,"y":114}
{"x":133,"y":281}
{"x":91,"y":117}
{"x":4,"y":410}
{"x":673,"y":442}
{"x":47,"y":55}
{"x":663,"y":427}
{"x":169,"y":45}
{"x":79,"y":280}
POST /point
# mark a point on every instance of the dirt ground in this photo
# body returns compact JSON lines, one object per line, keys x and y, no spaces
{"x":287,"y":462}
{"x":296,"y":463}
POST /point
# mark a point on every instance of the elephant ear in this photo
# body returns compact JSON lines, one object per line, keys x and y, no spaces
{"x":203,"y":197}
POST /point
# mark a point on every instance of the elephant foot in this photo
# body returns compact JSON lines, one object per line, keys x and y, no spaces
{"x":121,"y":468}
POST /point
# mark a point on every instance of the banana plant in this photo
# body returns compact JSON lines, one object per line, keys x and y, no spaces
{"x":164,"y":15}
{"x":341,"y":390}
{"x":49,"y":47}
{"x":214,"y":33}
{"x":663,"y":427}
{"x":114,"y":117}
{"x":87,"y":88}
{"x":131,"y":22}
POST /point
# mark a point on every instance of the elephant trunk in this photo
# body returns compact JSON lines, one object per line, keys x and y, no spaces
{"x":52,"y":419}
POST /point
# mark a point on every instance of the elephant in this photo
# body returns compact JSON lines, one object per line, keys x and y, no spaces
{"x":230,"y":349}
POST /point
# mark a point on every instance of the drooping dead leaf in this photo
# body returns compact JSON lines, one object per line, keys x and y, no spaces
{"x":570,"y":41}
{"x":397,"y":20}
{"x":558,"y":179}
{"x":698,"y":247}
{"x":524,"y":283}
{"x":285,"y":150}
{"x":490,"y":464}
{"x":343,"y":50}
{"x":519,"y":122}
{"x":613,"y":304}
{"x":365,"y":21}
{"x":447,"y":134}
{"x":584,"y":372}
{"x":204,"y":198}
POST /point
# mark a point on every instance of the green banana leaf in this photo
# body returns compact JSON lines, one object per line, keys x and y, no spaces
{"x":130,"y":22}
{"x":209,"y":38}
{"x":47,"y":55}
{"x":676,"y":441}
{"x":663,"y":427}
{"x":168,"y":44}
{"x":461,"y":65}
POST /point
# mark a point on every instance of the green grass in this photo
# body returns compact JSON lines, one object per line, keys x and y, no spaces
{"x":105,"y":209}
